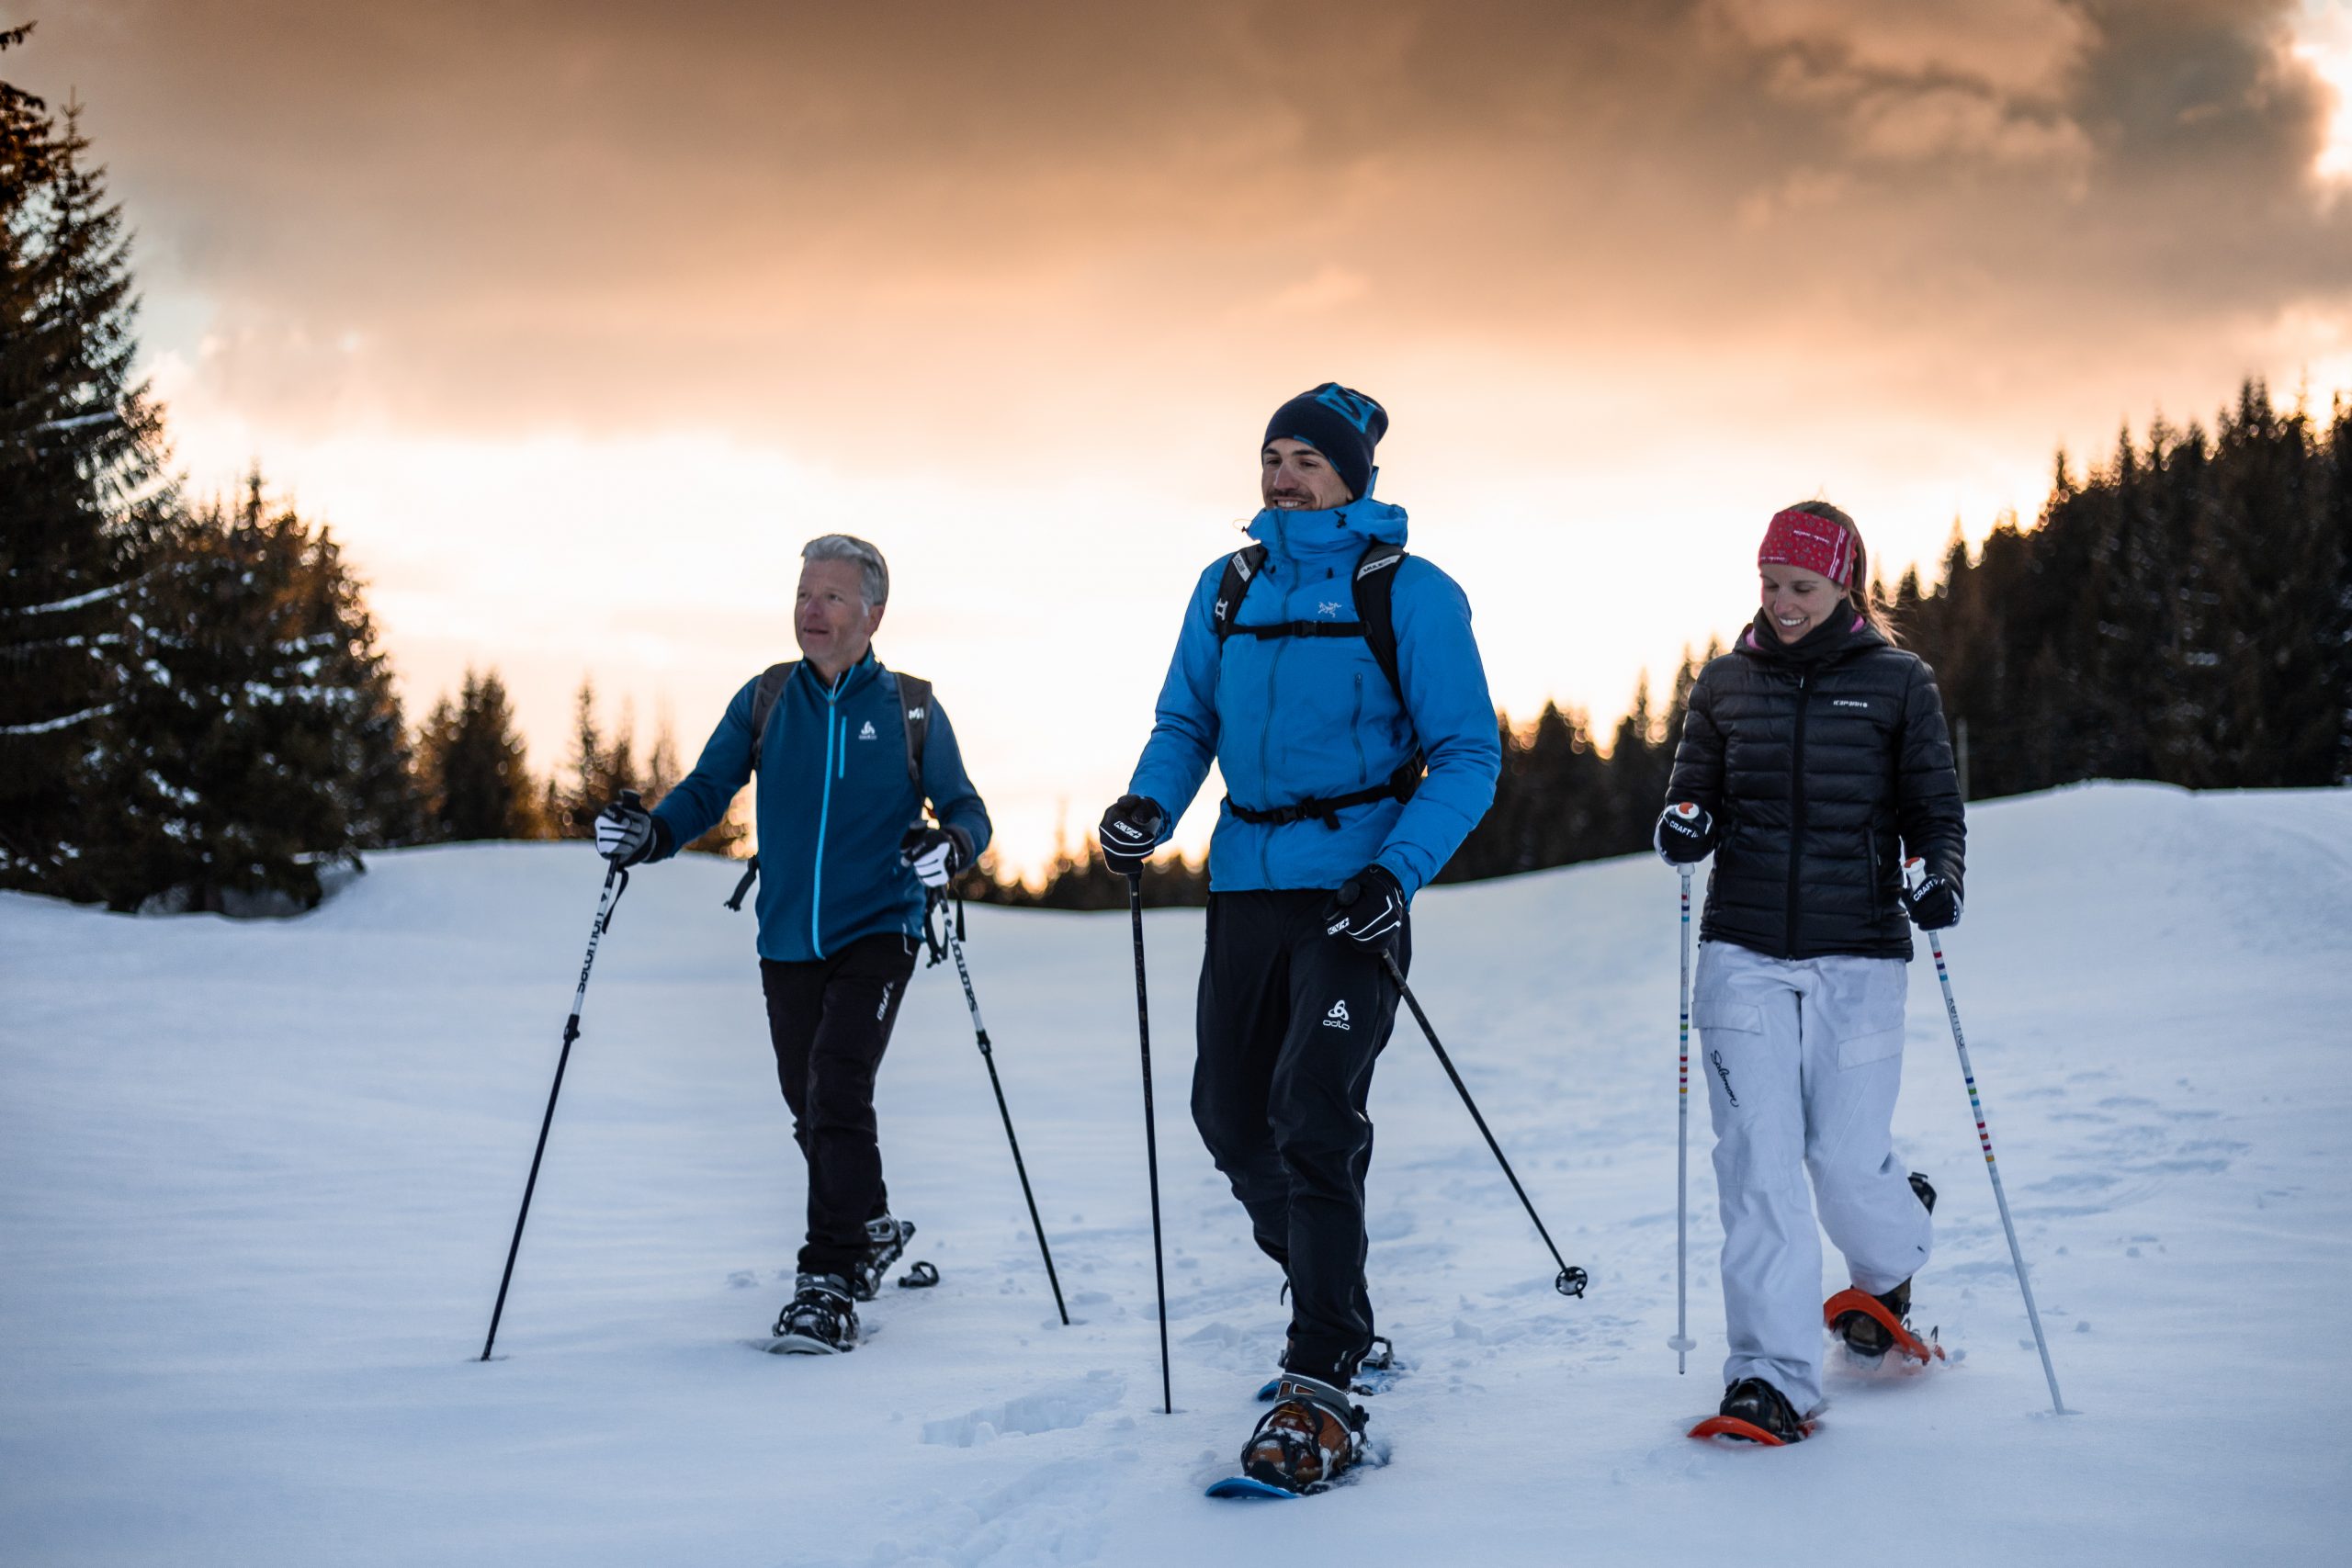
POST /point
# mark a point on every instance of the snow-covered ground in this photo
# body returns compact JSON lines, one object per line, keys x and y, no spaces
{"x":256,"y":1182}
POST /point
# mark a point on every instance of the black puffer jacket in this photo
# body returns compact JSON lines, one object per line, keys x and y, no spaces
{"x":1813,"y":758}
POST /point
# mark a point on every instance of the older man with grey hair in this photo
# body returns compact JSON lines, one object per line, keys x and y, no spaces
{"x":847,"y":754}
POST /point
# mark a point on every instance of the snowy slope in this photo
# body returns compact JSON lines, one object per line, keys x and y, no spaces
{"x":256,"y":1182}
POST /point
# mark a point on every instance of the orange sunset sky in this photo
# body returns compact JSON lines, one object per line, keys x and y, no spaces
{"x":576,"y":320}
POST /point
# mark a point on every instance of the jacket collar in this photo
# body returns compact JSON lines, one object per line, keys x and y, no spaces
{"x":1339,"y":530}
{"x":1834,"y":639}
{"x":857,"y":675}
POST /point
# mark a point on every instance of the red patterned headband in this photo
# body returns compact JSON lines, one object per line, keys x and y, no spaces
{"x":1813,"y":544}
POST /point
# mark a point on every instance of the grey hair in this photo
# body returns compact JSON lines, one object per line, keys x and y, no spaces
{"x":873,"y":575}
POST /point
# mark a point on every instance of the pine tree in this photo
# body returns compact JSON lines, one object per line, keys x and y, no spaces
{"x":270,"y":743}
{"x":471,"y":762}
{"x":82,"y":489}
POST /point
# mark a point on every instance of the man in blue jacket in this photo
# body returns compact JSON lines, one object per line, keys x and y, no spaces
{"x":845,"y":857}
{"x":1322,"y":671}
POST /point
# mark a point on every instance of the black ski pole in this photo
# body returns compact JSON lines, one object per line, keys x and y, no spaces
{"x":1572,"y":1280}
{"x":605,"y":903}
{"x":1151,"y":1139}
{"x":988,"y":1055}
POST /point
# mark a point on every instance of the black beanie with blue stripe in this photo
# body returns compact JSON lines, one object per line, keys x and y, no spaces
{"x":1339,"y":421}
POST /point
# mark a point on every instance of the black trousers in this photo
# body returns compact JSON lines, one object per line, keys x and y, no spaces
{"x":829,"y":1021}
{"x":1290,"y":1022}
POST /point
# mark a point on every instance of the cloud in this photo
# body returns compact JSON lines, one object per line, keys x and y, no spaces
{"x":781,"y":219}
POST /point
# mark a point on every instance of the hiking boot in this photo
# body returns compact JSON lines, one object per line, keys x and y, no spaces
{"x":885,"y":1240}
{"x":1308,"y":1440}
{"x":1764,"y":1407}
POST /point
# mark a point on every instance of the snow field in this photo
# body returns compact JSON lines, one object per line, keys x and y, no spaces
{"x":256,"y":1182}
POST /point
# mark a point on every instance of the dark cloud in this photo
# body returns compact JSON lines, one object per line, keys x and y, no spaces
{"x":477,"y":216}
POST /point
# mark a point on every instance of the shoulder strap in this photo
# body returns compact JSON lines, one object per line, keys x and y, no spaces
{"x":914,"y":702}
{"x":1375,"y":585}
{"x":771,"y":686}
{"x":1241,"y":568}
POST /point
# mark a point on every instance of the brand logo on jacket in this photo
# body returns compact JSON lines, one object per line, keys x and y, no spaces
{"x":1338,"y":1017}
{"x":1328,"y":608}
{"x":1848,"y":703}
{"x":866,"y":733}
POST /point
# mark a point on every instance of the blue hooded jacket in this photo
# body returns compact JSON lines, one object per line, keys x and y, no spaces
{"x":833,"y":801}
{"x":1292,"y":718}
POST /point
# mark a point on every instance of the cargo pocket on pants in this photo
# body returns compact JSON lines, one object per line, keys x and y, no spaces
{"x":1869,"y":1015}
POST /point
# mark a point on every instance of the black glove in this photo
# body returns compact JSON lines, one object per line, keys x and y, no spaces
{"x":1130,"y":831}
{"x":1369,"y":908}
{"x":935,"y":855}
{"x":1932,"y":896}
{"x":627,"y":833}
{"x":1685,"y":834}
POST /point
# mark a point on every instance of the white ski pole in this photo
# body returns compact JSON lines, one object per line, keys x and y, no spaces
{"x":1682,"y":1344}
{"x":1914,"y":871}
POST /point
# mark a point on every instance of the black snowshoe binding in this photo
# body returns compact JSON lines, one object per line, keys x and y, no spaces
{"x":820,"y":1321}
{"x":1311,"y":1437}
{"x":885,"y":1242}
{"x":1764,"y":1407}
{"x":1864,"y":1335}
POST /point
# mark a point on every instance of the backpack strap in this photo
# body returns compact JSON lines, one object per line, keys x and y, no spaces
{"x":914,"y":702}
{"x":1374,"y":583}
{"x":1241,"y":568}
{"x":764,"y":698}
{"x":1376,"y":586}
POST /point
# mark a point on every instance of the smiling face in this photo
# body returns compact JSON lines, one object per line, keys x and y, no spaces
{"x":1294,"y":477}
{"x":1796,"y":600}
{"x":830,"y":619}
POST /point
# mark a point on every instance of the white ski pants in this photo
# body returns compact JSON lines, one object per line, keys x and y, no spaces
{"x":1802,"y":1061}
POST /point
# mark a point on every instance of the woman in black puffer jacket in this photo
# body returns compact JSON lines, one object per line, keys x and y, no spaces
{"x":1813,"y":762}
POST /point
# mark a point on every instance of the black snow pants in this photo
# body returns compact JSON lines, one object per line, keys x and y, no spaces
{"x":830,"y":1020}
{"x":1290,"y":1022}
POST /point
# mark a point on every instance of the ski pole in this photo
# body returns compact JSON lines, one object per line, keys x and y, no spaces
{"x":1912,"y":871}
{"x":988,"y":1055}
{"x":1682,"y":1344}
{"x":1151,"y":1139}
{"x":1572,"y":1280}
{"x":604,"y":904}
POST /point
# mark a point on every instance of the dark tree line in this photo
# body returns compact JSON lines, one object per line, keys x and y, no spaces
{"x":2182,"y":613}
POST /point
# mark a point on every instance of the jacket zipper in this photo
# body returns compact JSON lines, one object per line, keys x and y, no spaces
{"x":1355,"y":733}
{"x":1796,"y":807}
{"x":824,"y":815}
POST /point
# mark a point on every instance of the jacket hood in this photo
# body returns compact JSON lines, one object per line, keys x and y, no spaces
{"x":1339,"y":530}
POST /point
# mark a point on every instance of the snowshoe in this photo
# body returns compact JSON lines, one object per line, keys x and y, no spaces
{"x":819,"y":1320}
{"x":1311,"y":1438}
{"x":1871,"y":1325}
{"x":1753,"y":1411}
{"x":885,"y":1241}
